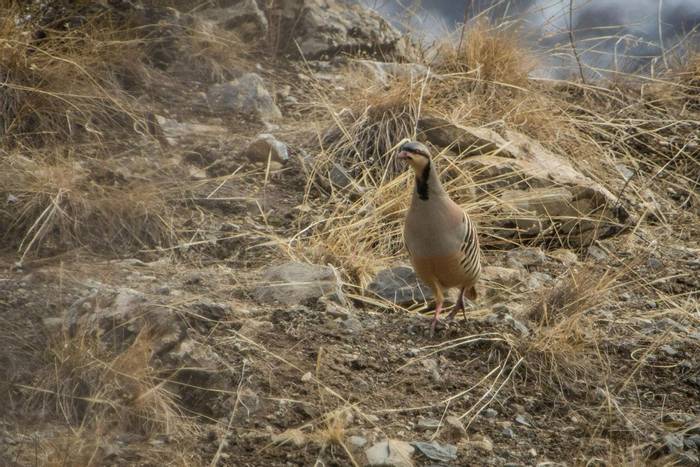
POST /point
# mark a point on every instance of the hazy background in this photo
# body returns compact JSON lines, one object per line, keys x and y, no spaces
{"x":622,"y":35}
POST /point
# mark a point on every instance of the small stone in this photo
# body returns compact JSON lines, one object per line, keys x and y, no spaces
{"x":654,"y":264}
{"x":525,"y":256}
{"x":597,"y":253}
{"x":437,"y":452}
{"x":673,"y":442}
{"x":413,"y":352}
{"x":532,"y":452}
{"x":508,"y":432}
{"x":163,"y":290}
{"x":11,"y":199}
{"x":392,"y":453}
{"x":483,"y":443}
{"x":537,"y":280}
{"x":266,"y":147}
{"x":427,"y":424}
{"x":564,"y":256}
{"x":372,"y":418}
{"x":625,"y":171}
{"x":625,"y":297}
{"x":193,"y":279}
{"x":357,"y":441}
{"x":651,"y":304}
{"x":352,"y":325}
{"x":306,"y":377}
{"x":454,"y":428}
{"x":490,"y":413}
{"x":668,"y":350}
{"x":522,"y":420}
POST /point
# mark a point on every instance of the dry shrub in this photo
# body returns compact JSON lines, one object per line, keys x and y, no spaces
{"x":59,"y":203}
{"x":70,"y":82}
{"x":563,"y":352}
{"x":97,"y":394}
{"x":486,"y":53}
{"x":365,"y":134}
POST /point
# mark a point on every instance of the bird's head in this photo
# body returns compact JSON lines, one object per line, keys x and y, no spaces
{"x":414,"y":154}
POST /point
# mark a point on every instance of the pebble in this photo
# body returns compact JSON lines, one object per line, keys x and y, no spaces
{"x":597,"y":253}
{"x":668,"y":350}
{"x":437,"y":452}
{"x":352,"y":325}
{"x":393,"y":453}
{"x":508,"y":433}
{"x":307,"y":377}
{"x":357,"y":441}
{"x":490,"y":413}
{"x":522,"y":420}
{"x":454,"y":428}
{"x":654,"y":263}
{"x":427,"y":424}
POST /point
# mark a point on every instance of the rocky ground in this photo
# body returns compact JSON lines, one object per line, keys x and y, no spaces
{"x":256,"y":308}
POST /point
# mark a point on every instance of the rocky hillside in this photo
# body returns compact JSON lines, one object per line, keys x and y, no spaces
{"x":202,"y":262}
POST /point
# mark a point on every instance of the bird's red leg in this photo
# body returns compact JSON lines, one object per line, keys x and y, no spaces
{"x":458,"y":306}
{"x":438,"y":308}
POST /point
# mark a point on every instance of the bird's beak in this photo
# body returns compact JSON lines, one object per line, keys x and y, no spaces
{"x":402,"y":156}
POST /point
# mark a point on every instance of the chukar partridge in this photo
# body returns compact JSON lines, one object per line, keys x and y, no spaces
{"x":441,"y":239}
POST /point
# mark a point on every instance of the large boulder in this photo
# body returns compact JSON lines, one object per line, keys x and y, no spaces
{"x":324,"y":28}
{"x":246,"y":95}
{"x":244,"y":17}
{"x":539,"y":193}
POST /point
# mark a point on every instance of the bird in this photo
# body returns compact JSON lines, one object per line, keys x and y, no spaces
{"x":441,"y":239}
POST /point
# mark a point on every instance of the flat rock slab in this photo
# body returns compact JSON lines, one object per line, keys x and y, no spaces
{"x":246,"y":95}
{"x":400,"y":285}
{"x":294,"y":282}
{"x":391,"y":453}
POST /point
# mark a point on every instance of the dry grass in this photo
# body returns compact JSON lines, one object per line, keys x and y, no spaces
{"x":563,"y":351}
{"x":487,"y":54}
{"x":70,"y":83}
{"x":58,"y":203}
{"x":96,"y":395}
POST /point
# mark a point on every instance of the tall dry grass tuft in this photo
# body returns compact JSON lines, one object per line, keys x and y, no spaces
{"x":563,"y":352}
{"x":57,"y":202}
{"x":486,"y":54}
{"x":68,"y":81}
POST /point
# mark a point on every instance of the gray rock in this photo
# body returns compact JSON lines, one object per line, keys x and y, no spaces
{"x":245,"y":95}
{"x":566,"y":257}
{"x":538,"y":280}
{"x":490,"y":413}
{"x":329,"y":27}
{"x":520,"y":419}
{"x":391,"y":453}
{"x":399,"y":285}
{"x":673,"y":442}
{"x":597,"y":253}
{"x":245,"y":18}
{"x":654,"y":263}
{"x":543,"y":191}
{"x":292,"y":283}
{"x":625,"y":171}
{"x":172,"y":129}
{"x":668,"y":350}
{"x":266,"y":147}
{"x":454,"y":428}
{"x":427,"y":424}
{"x":525,"y":257}
{"x":357,"y":441}
{"x":352,"y":325}
{"x":437,"y":452}
{"x":517,"y":325}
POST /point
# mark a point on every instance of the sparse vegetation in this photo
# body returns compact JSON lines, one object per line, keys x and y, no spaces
{"x":117,"y":175}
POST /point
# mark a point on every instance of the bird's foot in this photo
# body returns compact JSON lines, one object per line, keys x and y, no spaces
{"x":438,"y":325}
